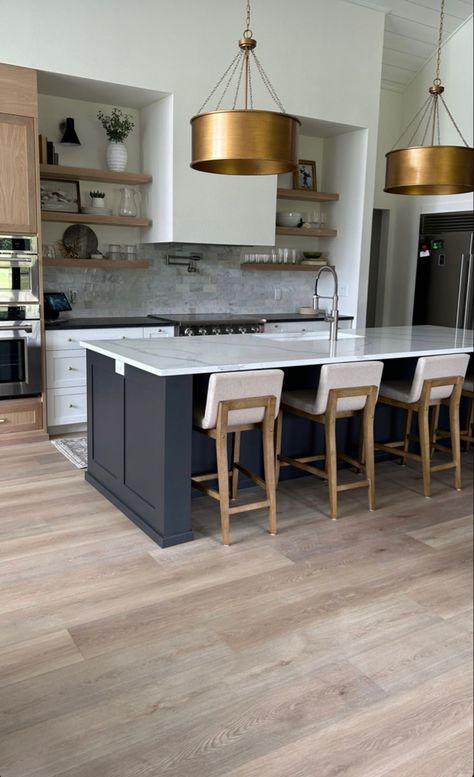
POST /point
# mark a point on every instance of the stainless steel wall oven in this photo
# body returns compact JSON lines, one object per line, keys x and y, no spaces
{"x":19,"y":280}
{"x":20,"y":350}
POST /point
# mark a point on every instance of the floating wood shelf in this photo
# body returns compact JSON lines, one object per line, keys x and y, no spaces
{"x":304,"y":232}
{"x":109,"y":264}
{"x":271,"y":267}
{"x":306,"y":195}
{"x":85,"y":218}
{"x":60,"y":172}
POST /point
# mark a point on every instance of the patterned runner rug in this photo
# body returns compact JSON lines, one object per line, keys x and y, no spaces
{"x":74,"y":449}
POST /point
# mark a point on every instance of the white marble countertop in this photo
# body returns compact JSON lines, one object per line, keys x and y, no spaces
{"x":223,"y":353}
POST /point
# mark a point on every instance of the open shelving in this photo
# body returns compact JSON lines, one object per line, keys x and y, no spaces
{"x":109,"y":264}
{"x":86,"y":218}
{"x":304,"y":232}
{"x":276,"y":267}
{"x":61,"y":172}
{"x":306,"y":195}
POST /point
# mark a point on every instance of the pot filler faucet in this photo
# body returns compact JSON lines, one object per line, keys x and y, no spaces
{"x":333,"y":317}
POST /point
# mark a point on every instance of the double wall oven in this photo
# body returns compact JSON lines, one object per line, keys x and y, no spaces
{"x":20,"y":332}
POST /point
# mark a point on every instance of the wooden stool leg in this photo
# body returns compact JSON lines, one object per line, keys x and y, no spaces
{"x":423,"y":424}
{"x":223,"y":479}
{"x":269,"y":469}
{"x":278,"y":436}
{"x":235,"y":460}
{"x":434,"y":426}
{"x":469,"y":424}
{"x":331,"y":462}
{"x":455,"y":439}
{"x":362,"y":452}
{"x":406,"y":444}
{"x":368,"y":424}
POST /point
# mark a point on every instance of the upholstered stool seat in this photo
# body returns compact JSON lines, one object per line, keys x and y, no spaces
{"x":437,"y":380}
{"x":237,"y":402}
{"x":344,"y":390}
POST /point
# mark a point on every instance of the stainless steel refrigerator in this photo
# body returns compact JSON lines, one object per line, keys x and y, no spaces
{"x":445,"y":270}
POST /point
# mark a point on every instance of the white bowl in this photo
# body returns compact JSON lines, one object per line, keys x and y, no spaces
{"x":288,"y":219}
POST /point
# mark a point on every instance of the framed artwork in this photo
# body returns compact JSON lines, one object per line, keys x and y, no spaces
{"x":305,"y":176}
{"x":61,"y":196}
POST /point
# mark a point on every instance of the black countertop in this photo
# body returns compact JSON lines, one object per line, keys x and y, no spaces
{"x":95,"y":322}
{"x":180,"y":319}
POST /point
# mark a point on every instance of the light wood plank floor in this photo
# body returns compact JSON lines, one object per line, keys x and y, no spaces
{"x":332,"y":649}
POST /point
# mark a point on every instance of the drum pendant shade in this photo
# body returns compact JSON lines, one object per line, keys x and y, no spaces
{"x":430,"y":170}
{"x":433,"y":169}
{"x":244,"y":141}
{"x":241,"y":142}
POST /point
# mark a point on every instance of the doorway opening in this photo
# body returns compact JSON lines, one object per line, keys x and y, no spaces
{"x":377,"y":268}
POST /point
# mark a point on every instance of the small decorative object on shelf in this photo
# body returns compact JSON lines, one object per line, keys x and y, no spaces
{"x":97,"y":205}
{"x":60,"y":196}
{"x":305,"y":176}
{"x":129,"y":202}
{"x":118,"y":126}
{"x":97,"y":199}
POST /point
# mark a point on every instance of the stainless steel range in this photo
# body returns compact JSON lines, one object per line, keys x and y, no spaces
{"x":202,"y":324}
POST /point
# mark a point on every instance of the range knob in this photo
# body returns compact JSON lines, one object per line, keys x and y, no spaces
{"x":242,"y":330}
{"x":189,"y":332}
{"x":202,"y":331}
{"x":229,"y":330}
{"x":253,"y":329}
{"x":216,"y":330}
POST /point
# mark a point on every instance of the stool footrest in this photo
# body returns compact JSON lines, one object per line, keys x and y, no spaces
{"x":245,"y":471}
{"x":440,"y":467}
{"x":305,"y":467}
{"x":251,"y":506}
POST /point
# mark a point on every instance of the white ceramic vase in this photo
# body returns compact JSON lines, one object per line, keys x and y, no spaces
{"x":116,"y":156}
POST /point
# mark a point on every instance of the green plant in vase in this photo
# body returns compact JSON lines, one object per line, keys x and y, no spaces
{"x":118,"y":126}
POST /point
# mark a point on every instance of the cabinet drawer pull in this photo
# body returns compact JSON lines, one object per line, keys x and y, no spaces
{"x":3,"y":420}
{"x":70,"y":340}
{"x":71,"y":369}
{"x":71,"y":405}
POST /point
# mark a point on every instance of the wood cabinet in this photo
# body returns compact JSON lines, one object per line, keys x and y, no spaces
{"x":20,"y":415}
{"x":18,"y":158}
{"x":18,"y":201}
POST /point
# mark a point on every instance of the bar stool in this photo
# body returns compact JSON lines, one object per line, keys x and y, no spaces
{"x":465,"y":434}
{"x":344,"y":390}
{"x":437,"y":380}
{"x":235,"y":403}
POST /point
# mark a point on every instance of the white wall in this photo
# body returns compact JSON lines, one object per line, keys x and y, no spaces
{"x":395,"y":113}
{"x":323,"y":58}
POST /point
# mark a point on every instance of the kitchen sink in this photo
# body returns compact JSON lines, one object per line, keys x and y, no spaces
{"x":301,"y":336}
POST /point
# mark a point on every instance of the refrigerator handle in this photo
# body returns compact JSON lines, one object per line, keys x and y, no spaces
{"x":459,"y":312}
{"x":468,"y":298}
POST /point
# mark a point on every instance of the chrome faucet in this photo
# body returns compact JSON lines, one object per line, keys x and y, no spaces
{"x":333,"y":317}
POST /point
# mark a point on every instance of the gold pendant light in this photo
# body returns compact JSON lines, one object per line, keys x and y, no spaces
{"x":244,"y":141}
{"x":433,"y":169}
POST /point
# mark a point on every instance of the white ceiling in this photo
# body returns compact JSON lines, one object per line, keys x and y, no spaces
{"x":411,"y":35}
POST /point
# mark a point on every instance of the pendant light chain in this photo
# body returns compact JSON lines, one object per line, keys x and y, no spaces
{"x":214,"y":90}
{"x":440,"y":39}
{"x":454,"y":122}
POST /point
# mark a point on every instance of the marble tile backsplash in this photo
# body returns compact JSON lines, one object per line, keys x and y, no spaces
{"x":219,"y":285}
